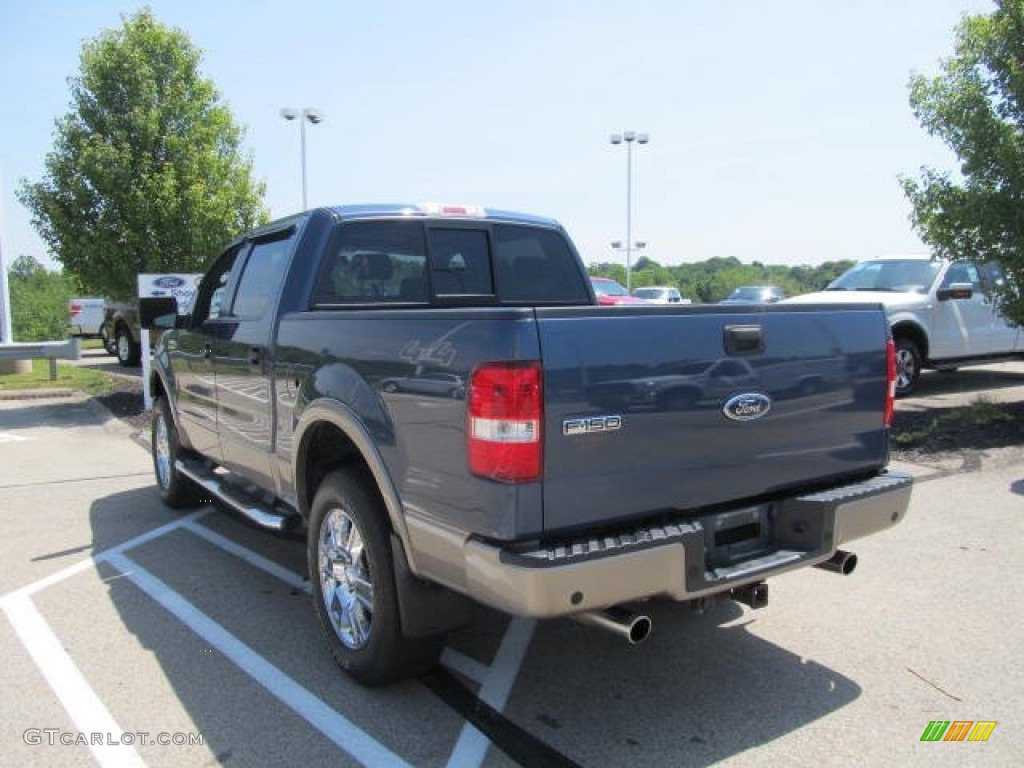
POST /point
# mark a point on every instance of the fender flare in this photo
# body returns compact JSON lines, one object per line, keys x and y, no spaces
{"x":334,"y":412}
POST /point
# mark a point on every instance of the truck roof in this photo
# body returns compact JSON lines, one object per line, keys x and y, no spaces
{"x":410,"y":210}
{"x":438,"y":210}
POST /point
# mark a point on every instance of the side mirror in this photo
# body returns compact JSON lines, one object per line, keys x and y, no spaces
{"x":955,"y":291}
{"x":160,"y":313}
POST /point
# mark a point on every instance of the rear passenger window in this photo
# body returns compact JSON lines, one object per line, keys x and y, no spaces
{"x":536,"y":266}
{"x":372,"y":262}
{"x":460,"y":262}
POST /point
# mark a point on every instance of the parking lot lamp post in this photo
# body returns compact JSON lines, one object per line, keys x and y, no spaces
{"x":629,"y":137}
{"x":312,"y":115}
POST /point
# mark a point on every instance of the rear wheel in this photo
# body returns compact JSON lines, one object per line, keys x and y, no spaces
{"x":109,"y":344}
{"x":908,"y":366}
{"x":355,"y":595}
{"x":128,"y":352}
{"x":176,"y":490}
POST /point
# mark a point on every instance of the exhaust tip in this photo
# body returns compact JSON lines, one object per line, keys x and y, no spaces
{"x":841,"y":562}
{"x":632,"y":627}
{"x":639,"y":630}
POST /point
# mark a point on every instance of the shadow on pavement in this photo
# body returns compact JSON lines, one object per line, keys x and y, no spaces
{"x":968,"y":380}
{"x":694,"y":694}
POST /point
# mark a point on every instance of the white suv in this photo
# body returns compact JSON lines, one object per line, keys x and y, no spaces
{"x":939,"y":311}
{"x":660,"y":294}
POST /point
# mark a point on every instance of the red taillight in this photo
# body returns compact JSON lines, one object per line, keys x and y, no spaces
{"x":74,"y":309}
{"x":890,"y":381}
{"x":503,"y":423}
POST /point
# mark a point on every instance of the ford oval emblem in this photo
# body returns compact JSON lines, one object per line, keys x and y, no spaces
{"x":169,"y":282}
{"x":747,"y":407}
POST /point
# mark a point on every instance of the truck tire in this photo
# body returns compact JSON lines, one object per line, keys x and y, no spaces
{"x":109,"y":344}
{"x":176,"y":490}
{"x":129,"y":353}
{"x":908,"y":366}
{"x":354,"y":590}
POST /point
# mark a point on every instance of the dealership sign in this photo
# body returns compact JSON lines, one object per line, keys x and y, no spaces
{"x":181,"y":286}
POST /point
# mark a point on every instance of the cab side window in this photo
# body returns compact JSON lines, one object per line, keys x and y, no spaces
{"x":962,"y":272}
{"x":372,"y":262}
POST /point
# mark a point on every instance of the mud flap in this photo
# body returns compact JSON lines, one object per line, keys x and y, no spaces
{"x":426,"y":608}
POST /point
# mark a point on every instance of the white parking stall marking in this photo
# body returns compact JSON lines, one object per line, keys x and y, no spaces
{"x":82,"y":704}
{"x":471,"y":748}
{"x":87,"y":710}
{"x":466,"y":666}
{"x":89,"y":562}
{"x":290,"y":578}
{"x":339,"y":729}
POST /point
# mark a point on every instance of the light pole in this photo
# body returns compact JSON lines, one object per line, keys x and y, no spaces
{"x":312,"y":115}
{"x":629,"y":137}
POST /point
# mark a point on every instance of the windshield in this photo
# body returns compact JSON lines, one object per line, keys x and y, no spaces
{"x":896,"y":275}
{"x":609,"y":288}
{"x":651,"y":293}
{"x":752,"y":293}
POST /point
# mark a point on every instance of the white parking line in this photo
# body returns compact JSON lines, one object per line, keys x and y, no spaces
{"x":83,"y":565}
{"x":346,"y":735}
{"x":471,"y":748}
{"x":82,"y":704}
{"x":290,"y":578}
{"x":464,"y":665}
{"x":87,"y":710}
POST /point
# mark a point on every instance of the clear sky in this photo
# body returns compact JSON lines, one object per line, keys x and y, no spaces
{"x":777,"y":129}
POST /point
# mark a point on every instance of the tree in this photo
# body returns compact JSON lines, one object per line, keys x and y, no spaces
{"x":976,"y":106}
{"x":39,"y":301}
{"x":146,"y":174}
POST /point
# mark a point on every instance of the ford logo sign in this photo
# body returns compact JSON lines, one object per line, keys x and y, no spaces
{"x":747,"y":407}
{"x":169,"y":282}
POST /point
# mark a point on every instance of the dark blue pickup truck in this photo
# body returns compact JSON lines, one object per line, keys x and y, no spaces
{"x":433,"y":393}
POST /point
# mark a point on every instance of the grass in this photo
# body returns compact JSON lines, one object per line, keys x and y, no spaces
{"x":83,"y":379}
{"x":977,"y":415}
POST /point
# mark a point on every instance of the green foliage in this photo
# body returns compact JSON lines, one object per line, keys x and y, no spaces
{"x":709,"y":281}
{"x":146,"y":174}
{"x":39,"y":301}
{"x":976,"y":106}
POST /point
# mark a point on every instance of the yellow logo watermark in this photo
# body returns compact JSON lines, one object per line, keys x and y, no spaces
{"x":958,"y":730}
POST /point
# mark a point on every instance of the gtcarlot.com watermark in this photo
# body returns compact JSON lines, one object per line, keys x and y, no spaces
{"x":56,"y":737}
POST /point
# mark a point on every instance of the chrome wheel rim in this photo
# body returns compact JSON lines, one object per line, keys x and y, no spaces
{"x":905,"y":368}
{"x":345,"y":579}
{"x":162,"y":451}
{"x":124,"y":349}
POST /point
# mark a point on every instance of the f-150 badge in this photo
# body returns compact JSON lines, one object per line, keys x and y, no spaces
{"x":747,"y":407}
{"x":591,"y":424}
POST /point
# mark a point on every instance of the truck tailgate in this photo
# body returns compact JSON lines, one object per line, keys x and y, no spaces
{"x":652,"y":410}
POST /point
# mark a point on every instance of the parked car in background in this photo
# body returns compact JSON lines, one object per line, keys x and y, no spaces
{"x":660,"y":294}
{"x":610,"y":293}
{"x":85,"y":320}
{"x":755,"y":294}
{"x":939,"y":311}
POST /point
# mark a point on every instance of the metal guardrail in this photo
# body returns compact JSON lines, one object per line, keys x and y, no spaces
{"x":47,"y":350}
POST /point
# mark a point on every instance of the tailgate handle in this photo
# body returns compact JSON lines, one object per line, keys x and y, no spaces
{"x":743,"y":340}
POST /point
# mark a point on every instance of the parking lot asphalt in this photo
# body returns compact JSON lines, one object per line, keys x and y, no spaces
{"x":189,"y":640}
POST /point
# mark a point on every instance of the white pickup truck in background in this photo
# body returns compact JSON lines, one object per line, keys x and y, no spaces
{"x":940,"y":312}
{"x":86,"y":319}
